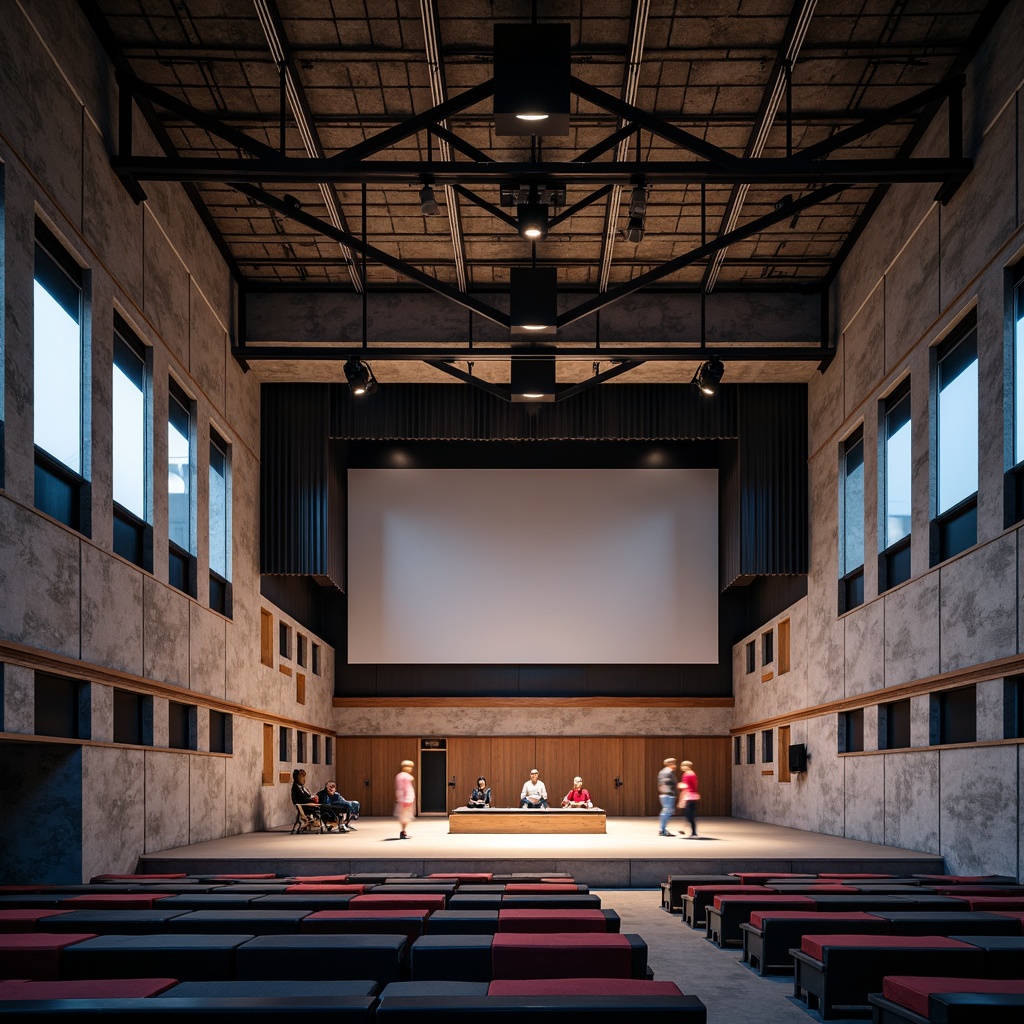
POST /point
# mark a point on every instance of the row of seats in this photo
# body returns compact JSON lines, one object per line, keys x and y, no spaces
{"x":936,"y":948}
{"x":402,"y":948}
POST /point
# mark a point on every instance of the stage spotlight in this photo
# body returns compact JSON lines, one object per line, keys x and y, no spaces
{"x":638,"y":201}
{"x":428,"y":204}
{"x":709,"y":375}
{"x":361,"y":380}
{"x":533,"y":218}
{"x":634,"y":230}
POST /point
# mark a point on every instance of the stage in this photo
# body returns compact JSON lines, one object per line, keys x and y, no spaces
{"x":630,"y":855}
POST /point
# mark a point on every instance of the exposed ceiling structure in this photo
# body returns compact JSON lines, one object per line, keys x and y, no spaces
{"x":726,"y":150}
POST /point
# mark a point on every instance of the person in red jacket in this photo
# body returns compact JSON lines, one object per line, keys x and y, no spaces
{"x":577,"y":796}
{"x":689,"y":795}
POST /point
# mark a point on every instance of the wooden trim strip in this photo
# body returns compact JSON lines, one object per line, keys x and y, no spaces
{"x":22,"y":737}
{"x":61,"y":664}
{"x":982,"y":673}
{"x":931,"y":748}
{"x":533,"y":702}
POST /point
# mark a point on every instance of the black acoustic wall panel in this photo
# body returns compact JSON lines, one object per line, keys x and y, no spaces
{"x":302,"y":529}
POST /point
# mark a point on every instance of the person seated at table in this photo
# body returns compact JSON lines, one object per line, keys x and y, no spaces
{"x":535,"y":793}
{"x":334,"y":808}
{"x":481,"y":796}
{"x":577,"y":796}
{"x":301,"y":795}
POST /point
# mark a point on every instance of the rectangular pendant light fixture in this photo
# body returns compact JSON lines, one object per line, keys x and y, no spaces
{"x":533,"y":380}
{"x":531,"y":79}
{"x":533,"y":301}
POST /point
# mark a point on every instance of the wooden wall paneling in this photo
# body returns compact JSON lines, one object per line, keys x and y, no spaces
{"x":558,"y":758}
{"x":711,"y":762}
{"x":512,"y":757}
{"x":468,"y":758}
{"x":635,"y":782}
{"x":601,"y":760}
{"x":386,"y":758}
{"x":353,"y":769}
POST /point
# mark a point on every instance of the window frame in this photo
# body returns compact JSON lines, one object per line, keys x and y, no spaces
{"x":894,"y":564}
{"x":851,"y":580}
{"x":1013,"y":478}
{"x":220,"y":584}
{"x":181,"y":568}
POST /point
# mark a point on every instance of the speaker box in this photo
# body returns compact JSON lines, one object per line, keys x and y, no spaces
{"x":798,"y":757}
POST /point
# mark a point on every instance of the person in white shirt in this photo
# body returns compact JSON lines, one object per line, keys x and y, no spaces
{"x":534,"y":792}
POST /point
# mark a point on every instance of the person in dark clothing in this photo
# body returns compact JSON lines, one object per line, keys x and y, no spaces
{"x":481,"y":796}
{"x":334,"y":808}
{"x":302,"y":796}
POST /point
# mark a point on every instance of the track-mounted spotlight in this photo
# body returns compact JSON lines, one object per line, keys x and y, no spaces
{"x":634,"y":230}
{"x":361,"y":380}
{"x":638,"y":201}
{"x":428,"y":204}
{"x":532,"y":218}
{"x":709,"y":375}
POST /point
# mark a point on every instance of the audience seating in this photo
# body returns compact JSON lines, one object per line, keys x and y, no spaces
{"x":770,"y":934}
{"x":699,"y":897}
{"x":27,"y":919}
{"x":920,"y":1000}
{"x":674,"y":888}
{"x":106,"y":922}
{"x":341,"y":957}
{"x":38,"y":956}
{"x":724,"y":917}
{"x":186,"y":957}
{"x":410,"y":923}
{"x":106,"y":988}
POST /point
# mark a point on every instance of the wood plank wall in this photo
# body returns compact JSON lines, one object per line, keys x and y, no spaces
{"x":506,"y":761}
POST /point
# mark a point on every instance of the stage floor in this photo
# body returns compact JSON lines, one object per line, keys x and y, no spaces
{"x":630,"y":855}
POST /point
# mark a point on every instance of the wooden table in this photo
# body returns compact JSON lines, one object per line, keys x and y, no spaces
{"x":508,"y":820}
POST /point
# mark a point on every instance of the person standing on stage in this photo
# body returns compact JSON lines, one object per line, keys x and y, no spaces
{"x":405,"y":798}
{"x":666,"y":793}
{"x":689,"y":795}
{"x":535,"y":793}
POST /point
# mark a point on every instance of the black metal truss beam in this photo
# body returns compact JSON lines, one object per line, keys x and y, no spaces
{"x":446,"y":354}
{"x":761,"y":171}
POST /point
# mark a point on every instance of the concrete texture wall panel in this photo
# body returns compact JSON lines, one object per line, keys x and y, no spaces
{"x":982,"y":214}
{"x":912,"y":289}
{"x":249,"y":804}
{"x":989,"y":710}
{"x":821,"y":806}
{"x":995,"y":74}
{"x":912,"y":630}
{"x":864,"y":347}
{"x":110,"y":219}
{"x":864,"y":798}
{"x":39,"y":578}
{"x":19,"y":703}
{"x":825,"y":401}
{"x":166,"y":291}
{"x":207,"y":798}
{"x":101,"y":713}
{"x":912,"y":800}
{"x":865,"y":663}
{"x":207,"y":636}
{"x":55,"y":155}
{"x":979,"y":605}
{"x":995,"y":430}
{"x":167,"y":800}
{"x":756,"y":700}
{"x":977,"y":788}
{"x":207,"y":348}
{"x":111,"y":611}
{"x":112,"y":778}
{"x":242,"y":404}
{"x":166,"y":624}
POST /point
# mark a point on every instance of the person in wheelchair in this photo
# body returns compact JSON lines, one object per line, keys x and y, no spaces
{"x":335,"y":809}
{"x":307,"y":813}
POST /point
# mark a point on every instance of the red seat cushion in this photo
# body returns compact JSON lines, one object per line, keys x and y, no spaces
{"x":326,"y":889}
{"x":913,"y":992}
{"x":535,"y":955}
{"x":23,"y":919}
{"x":815,"y":945}
{"x":464,"y":876}
{"x":782,"y":902}
{"x":113,"y":901}
{"x":35,"y":955}
{"x":245,"y":878}
{"x":399,"y":901}
{"x":758,"y":918}
{"x":552,"y":921}
{"x":583,"y":987}
{"x":410,"y":923}
{"x":697,"y":890}
{"x":320,"y":879}
{"x":139,"y":878}
{"x":538,"y":888}
{"x":104,"y":988}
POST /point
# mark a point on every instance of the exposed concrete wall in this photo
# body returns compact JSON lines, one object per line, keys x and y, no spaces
{"x":64,"y":593}
{"x":916,"y":270}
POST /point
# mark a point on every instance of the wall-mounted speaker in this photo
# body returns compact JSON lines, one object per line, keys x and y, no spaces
{"x":797,"y":757}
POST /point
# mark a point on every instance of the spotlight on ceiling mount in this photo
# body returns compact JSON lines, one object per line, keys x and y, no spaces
{"x":533,"y":300}
{"x":361,"y":380}
{"x":636,"y":225}
{"x":532,"y":218}
{"x":428,"y":203}
{"x":532,"y":72}
{"x":709,"y":375}
{"x":634,"y":230}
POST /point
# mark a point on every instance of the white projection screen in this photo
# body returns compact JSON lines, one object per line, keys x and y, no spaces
{"x":535,"y":566}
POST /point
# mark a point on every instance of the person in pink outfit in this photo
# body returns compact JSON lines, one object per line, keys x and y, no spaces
{"x":405,"y":798}
{"x":689,"y":795}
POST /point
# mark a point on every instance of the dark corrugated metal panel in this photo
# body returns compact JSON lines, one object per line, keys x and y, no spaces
{"x":729,"y":555}
{"x":773,"y":480}
{"x":421,"y":412}
{"x":302,"y":519}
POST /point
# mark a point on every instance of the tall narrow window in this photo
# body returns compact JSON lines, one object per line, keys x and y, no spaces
{"x":58,"y":432}
{"x":220,"y":525}
{"x":181,"y":565}
{"x":129,"y":447}
{"x":1015,"y":478}
{"x":894,"y":563}
{"x":851,"y":532}
{"x":955,"y":527}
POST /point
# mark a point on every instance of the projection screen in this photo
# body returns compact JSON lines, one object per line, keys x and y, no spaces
{"x":538,"y":566}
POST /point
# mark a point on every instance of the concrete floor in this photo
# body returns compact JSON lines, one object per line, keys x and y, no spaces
{"x":630,"y":855}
